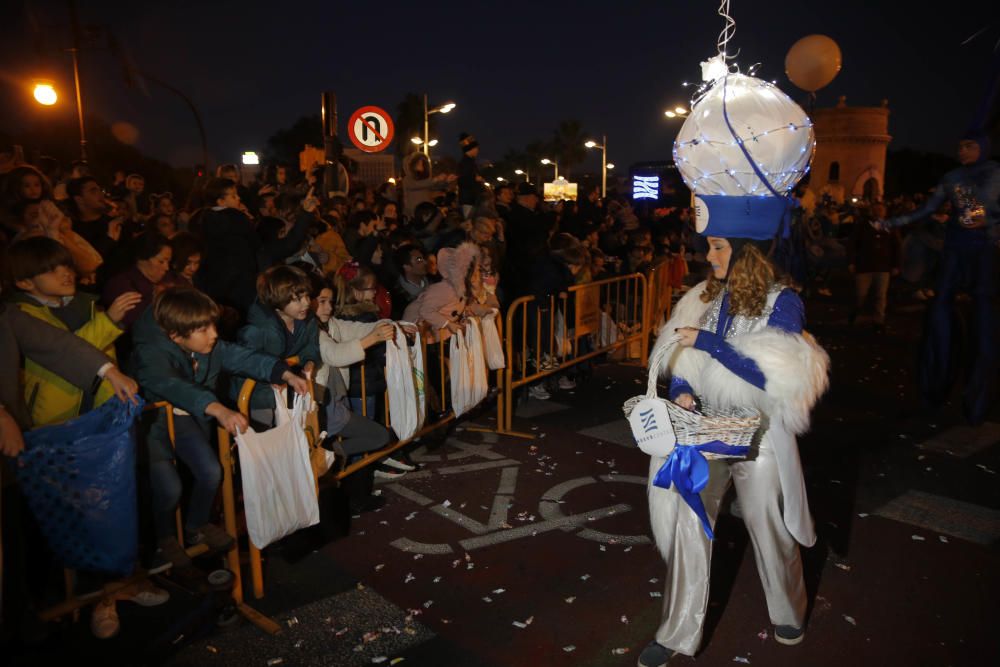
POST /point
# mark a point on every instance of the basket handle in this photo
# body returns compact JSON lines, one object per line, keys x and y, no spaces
{"x":654,"y":364}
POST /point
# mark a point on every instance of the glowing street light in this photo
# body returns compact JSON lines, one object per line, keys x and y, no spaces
{"x":45,"y":93}
{"x":554,"y":164}
{"x":676,"y":112}
{"x":444,"y":108}
{"x":609,"y":166}
{"x":604,"y":162}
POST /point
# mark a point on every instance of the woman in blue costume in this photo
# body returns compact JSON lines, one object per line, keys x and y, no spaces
{"x":739,"y":341}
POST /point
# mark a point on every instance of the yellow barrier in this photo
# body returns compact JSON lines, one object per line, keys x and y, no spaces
{"x":625,"y":300}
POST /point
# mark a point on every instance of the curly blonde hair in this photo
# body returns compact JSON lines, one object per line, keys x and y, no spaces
{"x":749,"y":281}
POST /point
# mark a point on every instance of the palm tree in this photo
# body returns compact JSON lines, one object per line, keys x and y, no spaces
{"x":567,"y":143}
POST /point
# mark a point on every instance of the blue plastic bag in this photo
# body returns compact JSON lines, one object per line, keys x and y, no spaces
{"x":79,"y":480}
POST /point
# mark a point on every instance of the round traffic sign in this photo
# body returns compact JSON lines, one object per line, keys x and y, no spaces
{"x":370,"y":129}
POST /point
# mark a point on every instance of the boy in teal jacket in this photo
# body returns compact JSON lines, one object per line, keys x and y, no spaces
{"x":178,"y":358}
{"x":280,"y":323}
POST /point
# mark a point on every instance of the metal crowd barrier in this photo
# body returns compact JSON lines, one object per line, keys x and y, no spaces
{"x":444,"y":415}
{"x":616,"y":314}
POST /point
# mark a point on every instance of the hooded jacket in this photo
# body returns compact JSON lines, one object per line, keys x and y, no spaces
{"x":265,"y":332}
{"x":167,"y":373}
{"x":444,"y":302}
{"x":50,"y":398}
{"x":417,"y":190}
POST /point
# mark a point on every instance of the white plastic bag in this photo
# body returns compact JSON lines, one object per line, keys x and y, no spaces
{"x":461,"y":396}
{"x":402,"y":388}
{"x":491,"y":342}
{"x":417,"y":364}
{"x":609,"y":331}
{"x":279,"y":490}
{"x":478,"y":381}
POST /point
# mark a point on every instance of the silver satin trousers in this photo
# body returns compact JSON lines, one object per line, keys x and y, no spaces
{"x":689,"y":551}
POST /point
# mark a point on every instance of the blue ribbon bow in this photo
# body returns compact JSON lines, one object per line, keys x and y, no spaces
{"x":687,"y":469}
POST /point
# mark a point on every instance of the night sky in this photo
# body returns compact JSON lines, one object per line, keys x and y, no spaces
{"x":514,"y":69}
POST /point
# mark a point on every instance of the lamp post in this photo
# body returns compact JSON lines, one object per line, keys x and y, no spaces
{"x":676,"y":112}
{"x":523,"y":172}
{"x":604,"y":162}
{"x":444,"y":108}
{"x":554,"y":164}
{"x":425,"y":146}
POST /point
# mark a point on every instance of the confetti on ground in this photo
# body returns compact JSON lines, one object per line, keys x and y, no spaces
{"x":417,"y":556}
{"x":292,"y":621}
{"x":943,"y":539}
{"x":409,"y":516}
{"x":917,"y":538}
{"x":585,"y":577}
{"x":990,"y":471}
{"x":396,"y":661}
{"x":569,"y":649}
{"x":655,"y":594}
{"x":499,"y":591}
{"x":379,"y":659}
{"x":409,"y":578}
{"x":487,"y":599}
{"x":437,"y":580}
{"x":446,"y":503}
{"x":654,"y":580}
{"x":619,"y":651}
{"x":863,"y":515}
{"x":379,"y":567}
{"x":762,"y":635}
{"x":627,"y":549}
{"x":427,"y":605}
{"x":603,"y":548}
{"x":275,"y":661}
{"x":212,"y":649}
{"x":842,"y":566}
{"x":741,"y":659}
{"x":850,"y":619}
{"x":624,"y":619}
{"x":299,"y":643}
{"x":570,"y":600}
{"x":341,"y":632}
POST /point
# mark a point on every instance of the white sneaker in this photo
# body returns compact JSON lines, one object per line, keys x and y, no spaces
{"x":565,"y":383}
{"x":145,"y":594}
{"x":397,"y":464}
{"x":385,"y":472}
{"x":539,"y":392}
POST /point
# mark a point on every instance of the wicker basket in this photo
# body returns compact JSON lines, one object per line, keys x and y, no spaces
{"x":735,"y":427}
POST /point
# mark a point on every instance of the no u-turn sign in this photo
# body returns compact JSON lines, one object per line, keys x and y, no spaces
{"x":370,"y":129}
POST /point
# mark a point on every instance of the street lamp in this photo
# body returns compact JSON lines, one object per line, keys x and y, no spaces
{"x":45,"y":93}
{"x":554,"y":164}
{"x":444,"y":108}
{"x":609,"y":166}
{"x":420,"y":142}
{"x":676,"y":112}
{"x":604,"y":162}
{"x":522,"y":172}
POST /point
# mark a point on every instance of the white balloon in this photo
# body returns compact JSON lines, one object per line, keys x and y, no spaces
{"x":775,"y":131}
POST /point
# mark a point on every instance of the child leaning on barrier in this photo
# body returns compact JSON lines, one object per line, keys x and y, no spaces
{"x":43,"y":272}
{"x":178,"y":359}
{"x":343,"y":343}
{"x":281,"y":324}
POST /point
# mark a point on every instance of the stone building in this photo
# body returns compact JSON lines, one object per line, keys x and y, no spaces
{"x":850,"y":151}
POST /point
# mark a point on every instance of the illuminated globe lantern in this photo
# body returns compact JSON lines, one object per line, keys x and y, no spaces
{"x":741,"y":150}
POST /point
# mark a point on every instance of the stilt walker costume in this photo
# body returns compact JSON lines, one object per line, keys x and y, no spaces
{"x":742,"y":149}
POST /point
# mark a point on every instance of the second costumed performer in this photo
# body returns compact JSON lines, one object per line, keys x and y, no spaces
{"x":738,"y":341}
